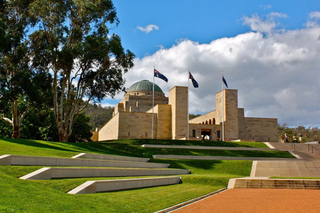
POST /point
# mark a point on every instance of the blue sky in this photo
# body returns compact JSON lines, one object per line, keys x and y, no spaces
{"x":268,"y":50}
{"x":201,"y":21}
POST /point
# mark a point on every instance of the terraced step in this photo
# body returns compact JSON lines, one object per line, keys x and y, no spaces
{"x":56,"y":161}
{"x":206,"y":147}
{"x":198,"y":157}
{"x":110,"y":157}
{"x":67,"y":172}
{"x":90,"y":187}
{"x":275,"y":183}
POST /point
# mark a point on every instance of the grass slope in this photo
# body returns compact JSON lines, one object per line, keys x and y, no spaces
{"x":50,"y":195}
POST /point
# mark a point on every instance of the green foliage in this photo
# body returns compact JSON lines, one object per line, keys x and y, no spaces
{"x":5,"y":129}
{"x":73,"y":42}
{"x":309,"y":134}
{"x":81,"y":130}
{"x":99,"y":115}
{"x":191,"y":116}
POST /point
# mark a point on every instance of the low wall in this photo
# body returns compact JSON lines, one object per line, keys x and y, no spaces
{"x":52,"y":161}
{"x":55,"y":173}
{"x":110,"y":157}
{"x":123,"y":184}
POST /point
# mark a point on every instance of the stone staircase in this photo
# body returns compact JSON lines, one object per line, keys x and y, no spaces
{"x":275,"y":183}
{"x":85,"y":162}
{"x":305,"y":151}
{"x":308,"y":165}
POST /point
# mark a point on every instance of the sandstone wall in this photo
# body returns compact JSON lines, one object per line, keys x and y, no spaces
{"x":178,"y":99}
{"x":261,"y":129}
{"x":110,"y":130}
{"x":136,"y":125}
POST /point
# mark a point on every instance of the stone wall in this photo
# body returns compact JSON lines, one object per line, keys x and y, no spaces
{"x":110,"y":130}
{"x":241,"y":121}
{"x":197,"y":128}
{"x":178,"y":99}
{"x":261,"y":129}
{"x":208,"y":118}
{"x":164,"y":121}
{"x":139,"y":103}
{"x":136,"y":125}
{"x":231,"y":112}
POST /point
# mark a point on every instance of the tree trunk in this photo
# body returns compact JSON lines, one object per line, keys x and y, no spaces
{"x":15,"y":120}
{"x":63,"y":137}
{"x":63,"y":133}
{"x":16,"y":132}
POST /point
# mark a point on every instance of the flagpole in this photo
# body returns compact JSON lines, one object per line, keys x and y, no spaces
{"x":188,"y":107}
{"x":222,"y":110}
{"x":152,"y":104}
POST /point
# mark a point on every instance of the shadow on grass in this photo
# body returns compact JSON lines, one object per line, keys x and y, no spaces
{"x":186,"y":164}
{"x":46,"y":145}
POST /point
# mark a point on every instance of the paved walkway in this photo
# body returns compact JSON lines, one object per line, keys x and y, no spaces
{"x":270,"y":200}
{"x":257,"y":200}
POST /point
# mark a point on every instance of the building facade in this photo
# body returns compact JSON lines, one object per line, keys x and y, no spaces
{"x":135,"y":117}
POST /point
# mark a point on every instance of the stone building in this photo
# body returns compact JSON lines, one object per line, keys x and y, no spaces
{"x":133,"y":116}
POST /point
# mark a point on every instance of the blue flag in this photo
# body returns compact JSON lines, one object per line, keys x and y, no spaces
{"x":224,"y":81}
{"x":194,"y":82}
{"x":159,"y":75}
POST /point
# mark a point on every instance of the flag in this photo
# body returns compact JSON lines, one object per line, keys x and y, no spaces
{"x":159,"y":75}
{"x":224,"y":81}
{"x":194,"y":82}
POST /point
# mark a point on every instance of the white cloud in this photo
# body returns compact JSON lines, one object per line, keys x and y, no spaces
{"x":275,"y":75}
{"x":314,"y":15}
{"x":266,"y":6}
{"x":314,"y":20}
{"x":149,"y":28}
{"x":268,"y":25}
{"x":108,"y":105}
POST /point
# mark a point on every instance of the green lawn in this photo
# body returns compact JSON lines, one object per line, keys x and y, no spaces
{"x":50,"y":195}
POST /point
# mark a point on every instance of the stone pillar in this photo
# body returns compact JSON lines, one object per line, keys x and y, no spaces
{"x":178,"y":99}
{"x":230,"y":109}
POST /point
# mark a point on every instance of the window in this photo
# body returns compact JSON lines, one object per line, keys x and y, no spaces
{"x":194,"y":133}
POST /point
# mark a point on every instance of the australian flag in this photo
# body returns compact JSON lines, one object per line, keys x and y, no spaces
{"x":194,"y":82}
{"x":159,"y":75}
{"x":224,"y":81}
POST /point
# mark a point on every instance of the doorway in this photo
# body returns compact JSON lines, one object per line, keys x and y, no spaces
{"x":206,"y":132}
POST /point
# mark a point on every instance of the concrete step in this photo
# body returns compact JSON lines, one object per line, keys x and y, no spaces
{"x":56,"y":161}
{"x":67,"y":172}
{"x":206,"y":147}
{"x":305,"y":151}
{"x":275,"y":183}
{"x":298,"y":168}
{"x":110,"y":157}
{"x":90,"y":187}
{"x":198,"y":157}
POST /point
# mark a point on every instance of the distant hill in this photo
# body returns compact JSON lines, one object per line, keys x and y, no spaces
{"x":99,"y":115}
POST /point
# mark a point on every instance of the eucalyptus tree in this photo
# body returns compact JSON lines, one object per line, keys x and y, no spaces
{"x":15,"y":72}
{"x":73,"y":42}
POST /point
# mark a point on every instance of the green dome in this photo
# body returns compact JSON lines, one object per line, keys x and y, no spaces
{"x":144,"y":85}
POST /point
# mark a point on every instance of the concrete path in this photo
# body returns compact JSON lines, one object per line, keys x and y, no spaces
{"x":305,"y":151}
{"x":206,"y":147}
{"x":197,"y":157}
{"x":285,"y":168}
